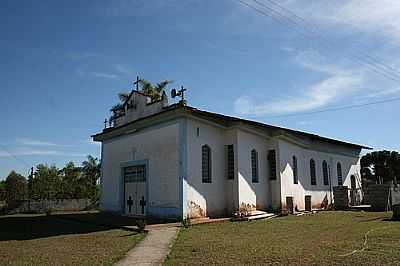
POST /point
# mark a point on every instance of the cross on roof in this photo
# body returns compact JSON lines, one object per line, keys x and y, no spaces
{"x":137,"y":83}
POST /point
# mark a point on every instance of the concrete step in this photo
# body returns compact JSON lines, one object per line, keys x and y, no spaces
{"x":261,"y":216}
{"x":360,"y":208}
{"x":255,"y":215}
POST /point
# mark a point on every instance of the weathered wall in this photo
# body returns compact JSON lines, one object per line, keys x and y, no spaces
{"x":206,"y":199}
{"x":257,"y":195}
{"x":319,"y":193}
{"x":159,"y":146}
{"x":141,"y":106}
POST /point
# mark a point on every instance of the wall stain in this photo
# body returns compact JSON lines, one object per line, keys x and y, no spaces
{"x":195,"y":210}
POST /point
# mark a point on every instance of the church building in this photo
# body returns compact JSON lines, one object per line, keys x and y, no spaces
{"x":176,"y":161}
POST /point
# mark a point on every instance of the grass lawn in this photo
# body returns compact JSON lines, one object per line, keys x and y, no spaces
{"x":68,"y":239}
{"x":325,"y":238}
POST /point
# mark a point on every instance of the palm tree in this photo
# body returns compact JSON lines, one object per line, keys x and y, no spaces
{"x":118,"y":108}
{"x":91,"y":173}
{"x":154,"y":91}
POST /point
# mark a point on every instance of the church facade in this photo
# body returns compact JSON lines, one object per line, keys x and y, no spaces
{"x":175,"y":161}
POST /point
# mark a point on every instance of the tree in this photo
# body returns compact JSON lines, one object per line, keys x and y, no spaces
{"x":70,"y":175}
{"x":118,"y":109}
{"x":91,"y":173}
{"x":47,"y":182}
{"x":15,"y":186}
{"x":381,"y":166}
{"x":3,"y":192}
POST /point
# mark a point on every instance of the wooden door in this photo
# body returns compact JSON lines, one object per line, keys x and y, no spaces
{"x":307,"y":203}
{"x":289,"y":204}
{"x":353,"y":190}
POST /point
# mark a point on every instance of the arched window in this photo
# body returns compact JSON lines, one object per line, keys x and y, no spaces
{"x":313,"y":173}
{"x":254,"y":166}
{"x":325,"y":172}
{"x":339,"y":174}
{"x":295,"y":171}
{"x":206,"y":164}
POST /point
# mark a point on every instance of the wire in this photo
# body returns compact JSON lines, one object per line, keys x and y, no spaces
{"x":317,"y":31}
{"x":328,"y":44}
{"x":338,"y":108}
{"x":294,"y":25}
{"x":14,"y":156}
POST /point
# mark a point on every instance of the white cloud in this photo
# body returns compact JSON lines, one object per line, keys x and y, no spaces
{"x":305,"y":123}
{"x":317,"y":95}
{"x":383,"y":92}
{"x":33,"y":142}
{"x":368,"y":16}
{"x":123,"y":69}
{"x":105,"y":75}
{"x":339,"y":83}
{"x":38,"y":152}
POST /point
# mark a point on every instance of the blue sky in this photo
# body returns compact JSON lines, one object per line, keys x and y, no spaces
{"x":63,"y":63}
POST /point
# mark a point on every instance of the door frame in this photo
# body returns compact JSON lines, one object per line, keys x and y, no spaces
{"x":122,"y":198}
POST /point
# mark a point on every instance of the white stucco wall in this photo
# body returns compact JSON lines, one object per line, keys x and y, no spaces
{"x":206,"y":199}
{"x":173,"y":151}
{"x":256,"y":195}
{"x":318,"y":192}
{"x":223,"y":196}
{"x":159,"y":146}
{"x":141,"y":107}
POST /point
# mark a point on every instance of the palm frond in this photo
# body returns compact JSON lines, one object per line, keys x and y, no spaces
{"x":123,"y":96}
{"x":146,"y":86}
{"x":116,"y":108}
{"x":161,"y":85}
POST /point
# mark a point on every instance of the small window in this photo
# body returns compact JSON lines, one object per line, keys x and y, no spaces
{"x":295,"y":171}
{"x":339,"y":174}
{"x":230,"y":171}
{"x":313,"y":173}
{"x":206,"y":164}
{"x":254,"y":166}
{"x":272,"y":164}
{"x":198,"y":132}
{"x":325,"y":173}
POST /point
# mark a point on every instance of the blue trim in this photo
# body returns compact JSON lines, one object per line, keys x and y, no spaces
{"x":101,"y":174}
{"x":183,"y":166}
{"x":122,"y":185}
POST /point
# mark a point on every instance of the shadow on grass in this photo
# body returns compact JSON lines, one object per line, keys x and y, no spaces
{"x":26,"y":227}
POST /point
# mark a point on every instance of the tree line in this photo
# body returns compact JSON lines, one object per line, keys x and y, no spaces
{"x":51,"y":182}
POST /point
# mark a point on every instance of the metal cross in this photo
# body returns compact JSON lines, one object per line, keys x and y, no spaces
{"x":130,"y":203}
{"x":137,"y":83}
{"x":142,"y":203}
